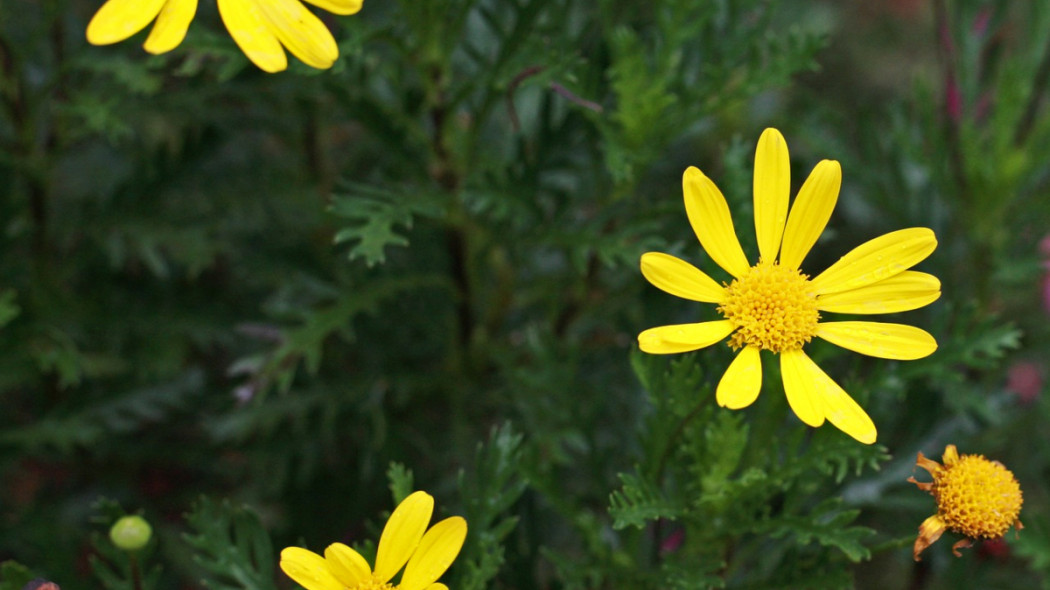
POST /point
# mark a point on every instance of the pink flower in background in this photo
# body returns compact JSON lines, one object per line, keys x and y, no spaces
{"x":980,"y":22}
{"x":952,"y":99}
{"x":1044,"y":249}
{"x":673,"y":542}
{"x":1025,"y":379}
{"x":1046,"y":292}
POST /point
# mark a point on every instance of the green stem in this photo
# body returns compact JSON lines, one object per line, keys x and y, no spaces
{"x":136,"y":576}
{"x":1039,"y":83}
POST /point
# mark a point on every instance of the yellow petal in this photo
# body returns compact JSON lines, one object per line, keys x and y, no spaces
{"x":347,"y":565}
{"x":882,"y":340}
{"x":300,"y":31}
{"x":171,"y":26}
{"x":683,"y":337}
{"x":906,"y":291}
{"x":436,"y":552}
{"x":742,"y":382}
{"x":437,"y":586}
{"x":338,"y":6}
{"x":817,"y":395}
{"x":841,"y":410}
{"x":803,"y":395}
{"x":402,"y":533}
{"x":252,"y":34}
{"x":811,"y":212}
{"x":876,"y":260}
{"x":709,"y":215}
{"x":950,"y":456}
{"x":308,"y":569}
{"x":678,"y":277}
{"x":930,"y":530}
{"x":119,"y":19}
{"x":772,"y":187}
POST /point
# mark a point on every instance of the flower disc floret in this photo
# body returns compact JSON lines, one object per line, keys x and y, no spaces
{"x":373,"y":583}
{"x":772,"y":307}
{"x":975,"y":497}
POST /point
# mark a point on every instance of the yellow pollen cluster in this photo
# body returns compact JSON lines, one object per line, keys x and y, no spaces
{"x":977,"y":497}
{"x":771,"y":308}
{"x":373,"y":583}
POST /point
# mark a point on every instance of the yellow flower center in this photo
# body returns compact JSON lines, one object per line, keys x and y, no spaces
{"x":372,"y":583}
{"x":772,"y":308}
{"x":977,"y":497}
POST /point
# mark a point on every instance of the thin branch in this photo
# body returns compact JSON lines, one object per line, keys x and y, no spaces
{"x":1039,"y":83}
{"x":946,"y":53}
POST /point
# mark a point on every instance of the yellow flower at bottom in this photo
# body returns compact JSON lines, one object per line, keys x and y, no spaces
{"x":405,"y":539}
{"x":263,"y":28}
{"x":117,"y":20}
{"x":773,"y":306}
{"x":975,"y":497}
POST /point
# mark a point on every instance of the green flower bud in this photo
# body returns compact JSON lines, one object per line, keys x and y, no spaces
{"x":131,"y":533}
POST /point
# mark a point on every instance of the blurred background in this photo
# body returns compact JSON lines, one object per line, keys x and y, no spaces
{"x":251,"y":306}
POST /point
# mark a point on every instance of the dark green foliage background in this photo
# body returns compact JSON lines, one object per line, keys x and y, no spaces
{"x":261,"y":309}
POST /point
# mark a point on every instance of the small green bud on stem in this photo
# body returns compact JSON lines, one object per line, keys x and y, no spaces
{"x":131,"y":533}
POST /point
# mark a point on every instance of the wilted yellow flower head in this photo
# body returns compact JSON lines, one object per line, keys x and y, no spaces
{"x":773,"y":306}
{"x":261,"y":28}
{"x":975,"y":497}
{"x":405,"y":539}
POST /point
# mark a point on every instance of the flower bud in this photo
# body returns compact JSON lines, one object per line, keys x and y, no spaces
{"x":131,"y":533}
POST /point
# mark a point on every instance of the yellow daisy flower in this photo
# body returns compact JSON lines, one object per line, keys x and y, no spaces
{"x":264,"y":28}
{"x":403,"y":541}
{"x":975,"y":497}
{"x":774,"y":306}
{"x":119,"y":19}
{"x":261,"y":28}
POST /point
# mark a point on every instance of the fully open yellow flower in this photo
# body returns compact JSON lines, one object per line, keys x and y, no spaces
{"x":975,"y":497}
{"x":261,"y":28}
{"x":119,"y":19}
{"x":774,"y":306}
{"x":405,"y":539}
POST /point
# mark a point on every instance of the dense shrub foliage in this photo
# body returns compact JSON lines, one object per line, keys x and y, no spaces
{"x":261,"y":309}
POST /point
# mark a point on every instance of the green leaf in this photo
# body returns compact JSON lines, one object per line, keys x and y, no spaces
{"x":826,"y":524}
{"x":377,"y":211}
{"x":9,"y":310}
{"x":13,"y":575}
{"x":491,"y":488}
{"x":639,"y":502}
{"x":401,"y":484}
{"x":232,"y":546}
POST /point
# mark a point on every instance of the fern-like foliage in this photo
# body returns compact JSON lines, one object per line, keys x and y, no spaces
{"x":376,"y":212}
{"x":826,"y":523}
{"x":121,"y":415}
{"x":490,"y":490}
{"x":14,"y":576}
{"x":231,"y":546}
{"x":639,"y":502}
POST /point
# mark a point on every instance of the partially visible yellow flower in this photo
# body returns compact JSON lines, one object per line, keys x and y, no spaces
{"x":261,"y":28}
{"x":773,"y":306}
{"x":405,"y":539}
{"x":119,"y":19}
{"x":975,"y":497}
